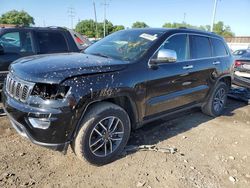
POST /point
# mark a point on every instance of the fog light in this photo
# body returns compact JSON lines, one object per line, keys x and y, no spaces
{"x":39,"y":123}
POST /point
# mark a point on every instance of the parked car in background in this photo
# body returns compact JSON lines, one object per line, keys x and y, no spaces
{"x":93,"y":100}
{"x":239,"y":53}
{"x":94,"y":40}
{"x":242,"y":71}
{"x":17,"y":42}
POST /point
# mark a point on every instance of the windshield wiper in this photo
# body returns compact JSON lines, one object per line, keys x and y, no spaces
{"x":100,"y":54}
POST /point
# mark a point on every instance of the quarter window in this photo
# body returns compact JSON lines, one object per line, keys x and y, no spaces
{"x":200,"y":47}
{"x":51,"y":42}
{"x":178,"y":43}
{"x":218,"y":48}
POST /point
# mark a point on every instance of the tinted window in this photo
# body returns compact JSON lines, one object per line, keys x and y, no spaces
{"x":200,"y":47}
{"x":16,"y":42}
{"x":51,"y":42}
{"x":218,"y":47}
{"x":178,"y":43}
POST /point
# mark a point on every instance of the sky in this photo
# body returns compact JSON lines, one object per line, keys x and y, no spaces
{"x":154,"y":13}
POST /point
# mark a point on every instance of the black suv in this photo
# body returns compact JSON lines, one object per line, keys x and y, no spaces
{"x":93,"y":100}
{"x":17,"y":42}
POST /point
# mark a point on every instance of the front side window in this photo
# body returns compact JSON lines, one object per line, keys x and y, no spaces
{"x":17,"y":42}
{"x":218,"y":47}
{"x":51,"y":42}
{"x":178,"y":43}
{"x":200,"y":47}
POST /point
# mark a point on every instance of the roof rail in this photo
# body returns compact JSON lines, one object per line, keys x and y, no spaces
{"x":56,"y":27}
{"x":182,"y":27}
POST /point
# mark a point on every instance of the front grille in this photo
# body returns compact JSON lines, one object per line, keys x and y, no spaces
{"x":17,"y":88}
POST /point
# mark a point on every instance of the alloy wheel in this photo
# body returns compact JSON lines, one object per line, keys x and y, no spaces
{"x":106,"y":136}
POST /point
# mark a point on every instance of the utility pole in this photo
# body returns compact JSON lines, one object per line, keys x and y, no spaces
{"x":104,"y":21}
{"x":71,"y":13}
{"x":96,"y":29}
{"x":184,"y":18}
{"x":214,"y":13}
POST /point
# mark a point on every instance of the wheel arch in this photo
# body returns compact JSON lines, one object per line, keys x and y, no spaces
{"x":124,"y":102}
{"x":225,"y":78}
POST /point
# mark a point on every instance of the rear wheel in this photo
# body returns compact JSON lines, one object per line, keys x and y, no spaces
{"x":217,"y":100}
{"x":103,"y":135}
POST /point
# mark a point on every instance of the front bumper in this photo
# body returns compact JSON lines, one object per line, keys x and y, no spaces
{"x":56,"y":137}
{"x":24,"y":132}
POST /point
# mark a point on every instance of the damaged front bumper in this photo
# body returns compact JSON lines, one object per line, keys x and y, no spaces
{"x":24,"y":132}
{"x":56,"y":136}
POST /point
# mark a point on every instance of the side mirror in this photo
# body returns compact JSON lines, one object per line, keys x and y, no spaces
{"x":1,"y":49}
{"x":164,"y":56}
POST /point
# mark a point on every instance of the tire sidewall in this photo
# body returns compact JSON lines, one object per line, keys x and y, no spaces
{"x":219,"y":86}
{"x":89,"y":126}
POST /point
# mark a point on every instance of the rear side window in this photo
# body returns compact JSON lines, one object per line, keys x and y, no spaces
{"x":218,"y":47}
{"x":178,"y":43}
{"x":200,"y":47}
{"x":51,"y":42}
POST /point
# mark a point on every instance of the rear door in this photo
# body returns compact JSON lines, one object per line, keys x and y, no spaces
{"x":51,"y":42}
{"x":207,"y":65}
{"x":221,"y":53}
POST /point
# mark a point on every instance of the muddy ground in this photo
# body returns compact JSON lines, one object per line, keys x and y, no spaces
{"x":211,"y":152}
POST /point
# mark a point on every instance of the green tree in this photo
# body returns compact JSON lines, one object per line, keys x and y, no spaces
{"x":17,"y":18}
{"x":118,"y":28}
{"x":109,"y":28}
{"x":183,"y":24}
{"x":219,"y":28}
{"x":86,"y":27}
{"x":139,"y":25}
{"x":223,"y":30}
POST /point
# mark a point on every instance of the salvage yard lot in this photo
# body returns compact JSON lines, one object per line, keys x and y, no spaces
{"x":211,"y":152}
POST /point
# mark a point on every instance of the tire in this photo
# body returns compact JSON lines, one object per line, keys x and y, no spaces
{"x":92,"y":134}
{"x":217,"y":100}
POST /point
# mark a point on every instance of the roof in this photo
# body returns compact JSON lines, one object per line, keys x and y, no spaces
{"x":178,"y":30}
{"x":15,"y":27}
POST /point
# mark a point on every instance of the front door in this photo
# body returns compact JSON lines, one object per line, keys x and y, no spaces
{"x":178,"y":84}
{"x":15,"y":45}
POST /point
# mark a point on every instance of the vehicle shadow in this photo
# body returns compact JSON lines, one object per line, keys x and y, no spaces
{"x":163,"y":129}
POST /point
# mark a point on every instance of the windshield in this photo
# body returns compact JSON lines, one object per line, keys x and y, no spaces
{"x":126,"y":45}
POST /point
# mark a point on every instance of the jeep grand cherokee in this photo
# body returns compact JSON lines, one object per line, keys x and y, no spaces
{"x":93,"y":100}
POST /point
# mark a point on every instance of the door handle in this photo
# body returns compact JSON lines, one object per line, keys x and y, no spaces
{"x":216,"y":62}
{"x":188,"y":67}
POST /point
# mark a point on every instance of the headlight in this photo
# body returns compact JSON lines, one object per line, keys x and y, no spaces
{"x":50,"y":91}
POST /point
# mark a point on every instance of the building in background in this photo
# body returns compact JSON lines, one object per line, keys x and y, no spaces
{"x":8,"y":25}
{"x":236,"y":43}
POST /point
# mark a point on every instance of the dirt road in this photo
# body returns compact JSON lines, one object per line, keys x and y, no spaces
{"x":210,"y":153}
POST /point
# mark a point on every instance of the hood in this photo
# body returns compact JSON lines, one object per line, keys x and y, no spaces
{"x":58,"y":67}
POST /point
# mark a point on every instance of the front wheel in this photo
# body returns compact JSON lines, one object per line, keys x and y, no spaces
{"x":104,"y":132}
{"x":217,"y":100}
